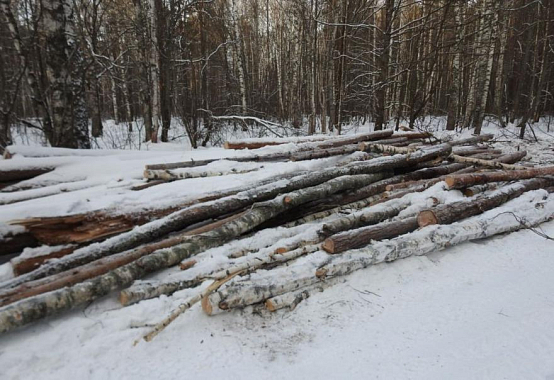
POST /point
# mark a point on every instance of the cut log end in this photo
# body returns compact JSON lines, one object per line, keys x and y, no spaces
{"x":270,"y":305}
{"x":124,"y":298}
{"x":321,"y":273}
{"x":450,"y":181}
{"x":427,"y":218}
{"x":328,"y":246}
{"x":187,"y":264}
{"x":207,"y":305}
{"x":280,"y":251}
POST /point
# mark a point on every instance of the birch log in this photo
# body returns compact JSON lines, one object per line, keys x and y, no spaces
{"x":466,"y":180}
{"x":226,"y":205}
{"x":446,"y":214}
{"x":532,"y":209}
{"x":41,"y":306}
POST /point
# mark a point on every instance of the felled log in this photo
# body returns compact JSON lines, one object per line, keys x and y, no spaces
{"x":14,"y":243}
{"x":369,"y":147}
{"x":362,"y":236}
{"x":467,"y":180}
{"x":372,"y":215}
{"x":471,"y":140}
{"x":486,"y":163}
{"x":473,"y":150}
{"x":413,"y":135}
{"x":101,"y":266}
{"x":168,"y":175}
{"x":260,"y":143}
{"x":43,"y":305}
{"x":143,"y":291}
{"x":365,"y":195}
{"x":248,"y":292}
{"x":200,"y":212}
{"x":377,"y":135}
{"x":23,"y":173}
{"x":25,"y":264}
{"x":323,"y":153}
{"x":101,"y":224}
{"x":478,"y":189}
{"x":446,"y":214}
{"x":438,"y":237}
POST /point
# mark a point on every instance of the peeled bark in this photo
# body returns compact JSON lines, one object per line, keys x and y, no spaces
{"x":452,"y":212}
{"x":465,"y":180}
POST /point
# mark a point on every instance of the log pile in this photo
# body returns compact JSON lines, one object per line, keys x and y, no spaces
{"x":371,"y":198}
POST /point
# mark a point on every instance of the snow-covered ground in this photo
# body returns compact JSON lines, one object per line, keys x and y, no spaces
{"x":480,"y":310}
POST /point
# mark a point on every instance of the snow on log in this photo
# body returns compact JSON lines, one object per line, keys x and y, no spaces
{"x":362,"y":236}
{"x":466,"y":180}
{"x":99,"y":267}
{"x":168,"y":175}
{"x":529,"y":210}
{"x":426,"y":240}
{"x":487,"y":163}
{"x":223,"y":206}
{"x":446,"y":214}
{"x":471,"y":140}
{"x":43,"y":305}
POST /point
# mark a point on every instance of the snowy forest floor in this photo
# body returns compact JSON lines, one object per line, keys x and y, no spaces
{"x":479,"y":310}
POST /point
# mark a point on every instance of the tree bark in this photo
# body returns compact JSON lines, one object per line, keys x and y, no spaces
{"x":453,"y":212}
{"x":465,"y":180}
{"x":362,"y":236}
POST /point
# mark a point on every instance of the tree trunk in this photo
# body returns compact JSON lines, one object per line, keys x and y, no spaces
{"x":465,"y":180}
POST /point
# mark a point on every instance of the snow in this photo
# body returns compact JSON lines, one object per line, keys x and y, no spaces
{"x":477,"y":310}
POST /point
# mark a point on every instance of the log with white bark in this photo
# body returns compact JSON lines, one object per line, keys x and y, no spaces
{"x":168,"y":175}
{"x":31,"y":309}
{"x":100,"y":224}
{"x":471,"y":140}
{"x":261,"y":142}
{"x":143,"y":291}
{"x":99,"y":267}
{"x":466,"y":180}
{"x":372,"y":215}
{"x":446,"y":214}
{"x":530,"y":207}
{"x":486,"y":163}
{"x":473,"y":150}
{"x":204,"y":211}
{"x":529,"y":210}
